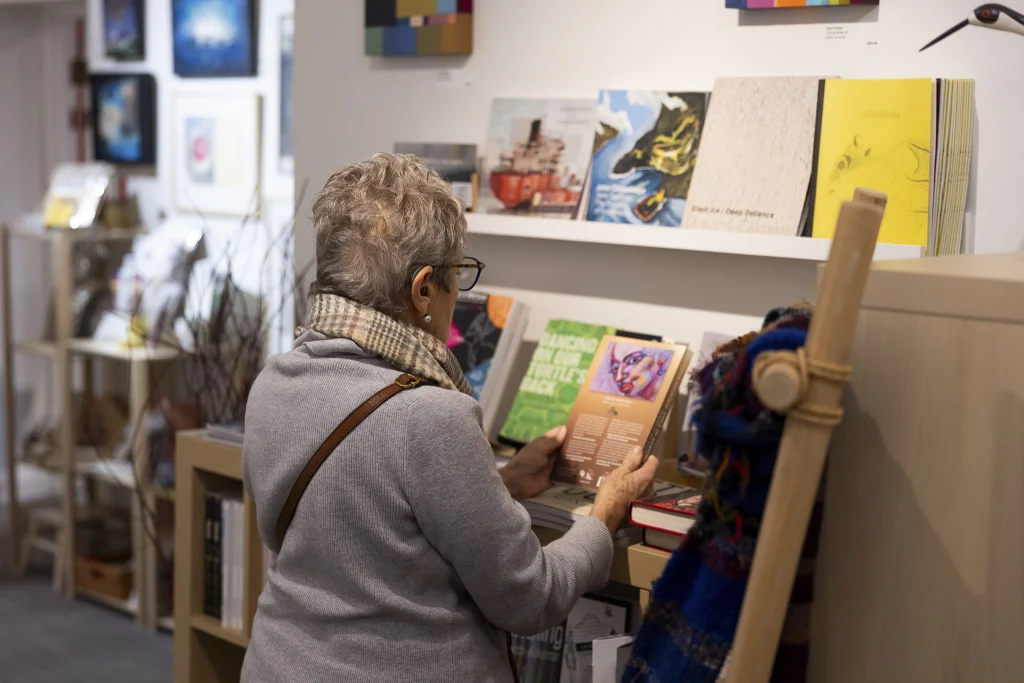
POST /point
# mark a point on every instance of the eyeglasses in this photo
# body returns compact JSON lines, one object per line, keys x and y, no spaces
{"x":467,"y":272}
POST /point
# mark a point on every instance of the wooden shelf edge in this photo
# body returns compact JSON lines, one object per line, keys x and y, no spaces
{"x":213,"y":627}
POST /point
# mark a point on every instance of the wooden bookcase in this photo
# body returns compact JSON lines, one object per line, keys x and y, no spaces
{"x":207,"y":652}
{"x":69,"y":462}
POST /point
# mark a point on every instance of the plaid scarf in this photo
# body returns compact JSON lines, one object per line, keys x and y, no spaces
{"x":407,"y":348}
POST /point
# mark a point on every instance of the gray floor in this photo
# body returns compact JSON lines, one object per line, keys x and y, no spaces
{"x":46,"y":639}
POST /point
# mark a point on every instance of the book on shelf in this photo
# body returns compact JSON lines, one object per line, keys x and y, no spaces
{"x":644,"y":152}
{"x":454,"y":163}
{"x":592,"y":617}
{"x":536,"y":156}
{"x":562,"y":505}
{"x":909,"y":138}
{"x":486,"y":332}
{"x":554,"y":377}
{"x":689,"y":461}
{"x":674,"y":511}
{"x":625,"y":401}
{"x":662,"y":540}
{"x":611,"y":654}
{"x":223,"y":557}
{"x":538,"y":658}
{"x":756,"y":155}
{"x":227,"y":432}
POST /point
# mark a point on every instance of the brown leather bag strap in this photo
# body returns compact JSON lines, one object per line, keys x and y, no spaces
{"x":401,"y":383}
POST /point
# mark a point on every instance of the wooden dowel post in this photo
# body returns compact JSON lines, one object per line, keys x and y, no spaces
{"x":805,"y":442}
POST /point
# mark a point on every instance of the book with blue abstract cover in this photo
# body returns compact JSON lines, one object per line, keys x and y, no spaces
{"x":645,"y":150}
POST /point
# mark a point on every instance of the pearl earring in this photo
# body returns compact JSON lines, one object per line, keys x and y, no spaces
{"x":427,"y":318}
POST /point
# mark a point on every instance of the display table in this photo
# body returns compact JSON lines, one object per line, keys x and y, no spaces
{"x":207,"y":652}
{"x":921,"y":566}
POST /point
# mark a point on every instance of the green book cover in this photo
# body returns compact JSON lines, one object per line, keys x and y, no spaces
{"x":553,"y":380}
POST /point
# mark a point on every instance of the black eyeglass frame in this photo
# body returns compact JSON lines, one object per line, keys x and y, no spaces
{"x":475,"y":265}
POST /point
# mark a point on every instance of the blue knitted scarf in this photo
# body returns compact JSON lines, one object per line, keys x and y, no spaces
{"x":694,"y":609}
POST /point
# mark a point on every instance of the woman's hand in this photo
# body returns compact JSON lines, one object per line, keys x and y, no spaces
{"x":528,"y":473}
{"x":631,"y":480}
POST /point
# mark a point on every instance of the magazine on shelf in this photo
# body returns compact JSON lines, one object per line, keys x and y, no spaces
{"x":644,"y":153}
{"x":592,"y":617}
{"x":756,"y":155}
{"x":909,"y":138}
{"x":486,"y":332}
{"x":536,"y":156}
{"x":688,"y":459}
{"x":227,"y":432}
{"x":538,"y":658}
{"x":454,"y":163}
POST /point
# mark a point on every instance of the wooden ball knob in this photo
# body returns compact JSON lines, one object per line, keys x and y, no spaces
{"x":778,"y":387}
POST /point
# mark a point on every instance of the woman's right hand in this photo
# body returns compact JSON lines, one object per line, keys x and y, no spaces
{"x":631,"y":480}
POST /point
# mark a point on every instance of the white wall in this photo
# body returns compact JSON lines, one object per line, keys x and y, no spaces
{"x":349,"y":106}
{"x":227,"y":239}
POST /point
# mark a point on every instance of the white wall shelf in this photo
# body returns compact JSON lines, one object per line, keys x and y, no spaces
{"x":742,"y":244}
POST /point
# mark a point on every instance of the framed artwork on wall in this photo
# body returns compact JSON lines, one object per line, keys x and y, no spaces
{"x":778,"y":4}
{"x":286,"y":157}
{"x":418,"y":28}
{"x":214,"y":38}
{"x":216,"y":153}
{"x":124,"y":127}
{"x":124,"y":30}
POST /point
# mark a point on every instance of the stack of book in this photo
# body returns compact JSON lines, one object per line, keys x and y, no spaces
{"x":562,"y":506}
{"x":223,"y":557}
{"x":666,"y":516}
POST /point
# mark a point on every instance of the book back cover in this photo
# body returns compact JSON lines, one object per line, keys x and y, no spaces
{"x":623,"y":403}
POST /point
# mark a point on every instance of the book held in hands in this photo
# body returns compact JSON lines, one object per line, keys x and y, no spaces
{"x":624,"y":402}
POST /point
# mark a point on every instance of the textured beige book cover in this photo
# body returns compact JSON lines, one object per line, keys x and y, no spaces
{"x":756,"y":156}
{"x":623,"y":403}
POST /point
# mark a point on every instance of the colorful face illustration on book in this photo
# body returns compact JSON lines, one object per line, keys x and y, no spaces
{"x":633,"y":371}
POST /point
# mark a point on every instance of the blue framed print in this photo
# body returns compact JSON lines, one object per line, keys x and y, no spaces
{"x":214,"y":38}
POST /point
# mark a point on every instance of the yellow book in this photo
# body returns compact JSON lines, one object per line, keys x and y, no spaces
{"x":877,"y":134}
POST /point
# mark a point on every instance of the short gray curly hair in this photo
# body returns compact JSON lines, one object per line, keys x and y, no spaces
{"x":378,"y":221}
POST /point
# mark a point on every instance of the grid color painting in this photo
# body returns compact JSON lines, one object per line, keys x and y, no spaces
{"x":418,"y":28}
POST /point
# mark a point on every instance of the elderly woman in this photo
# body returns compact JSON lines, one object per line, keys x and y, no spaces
{"x":407,"y":557}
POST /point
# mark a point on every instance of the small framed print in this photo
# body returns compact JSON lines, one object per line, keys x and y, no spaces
{"x":124,"y":30}
{"x":216,"y":153}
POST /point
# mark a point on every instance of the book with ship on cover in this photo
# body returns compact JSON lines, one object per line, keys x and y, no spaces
{"x":536,"y":156}
{"x":624,"y":402}
{"x":908,"y":138}
{"x":486,"y":331}
{"x":644,"y":153}
{"x":756,"y":156}
{"x":554,"y":377}
{"x":454,"y":163}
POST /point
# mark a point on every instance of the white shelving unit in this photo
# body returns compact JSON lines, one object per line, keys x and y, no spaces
{"x":709,"y":241}
{"x":71,"y":462}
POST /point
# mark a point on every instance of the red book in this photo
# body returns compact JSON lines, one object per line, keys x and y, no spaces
{"x":672,"y":511}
